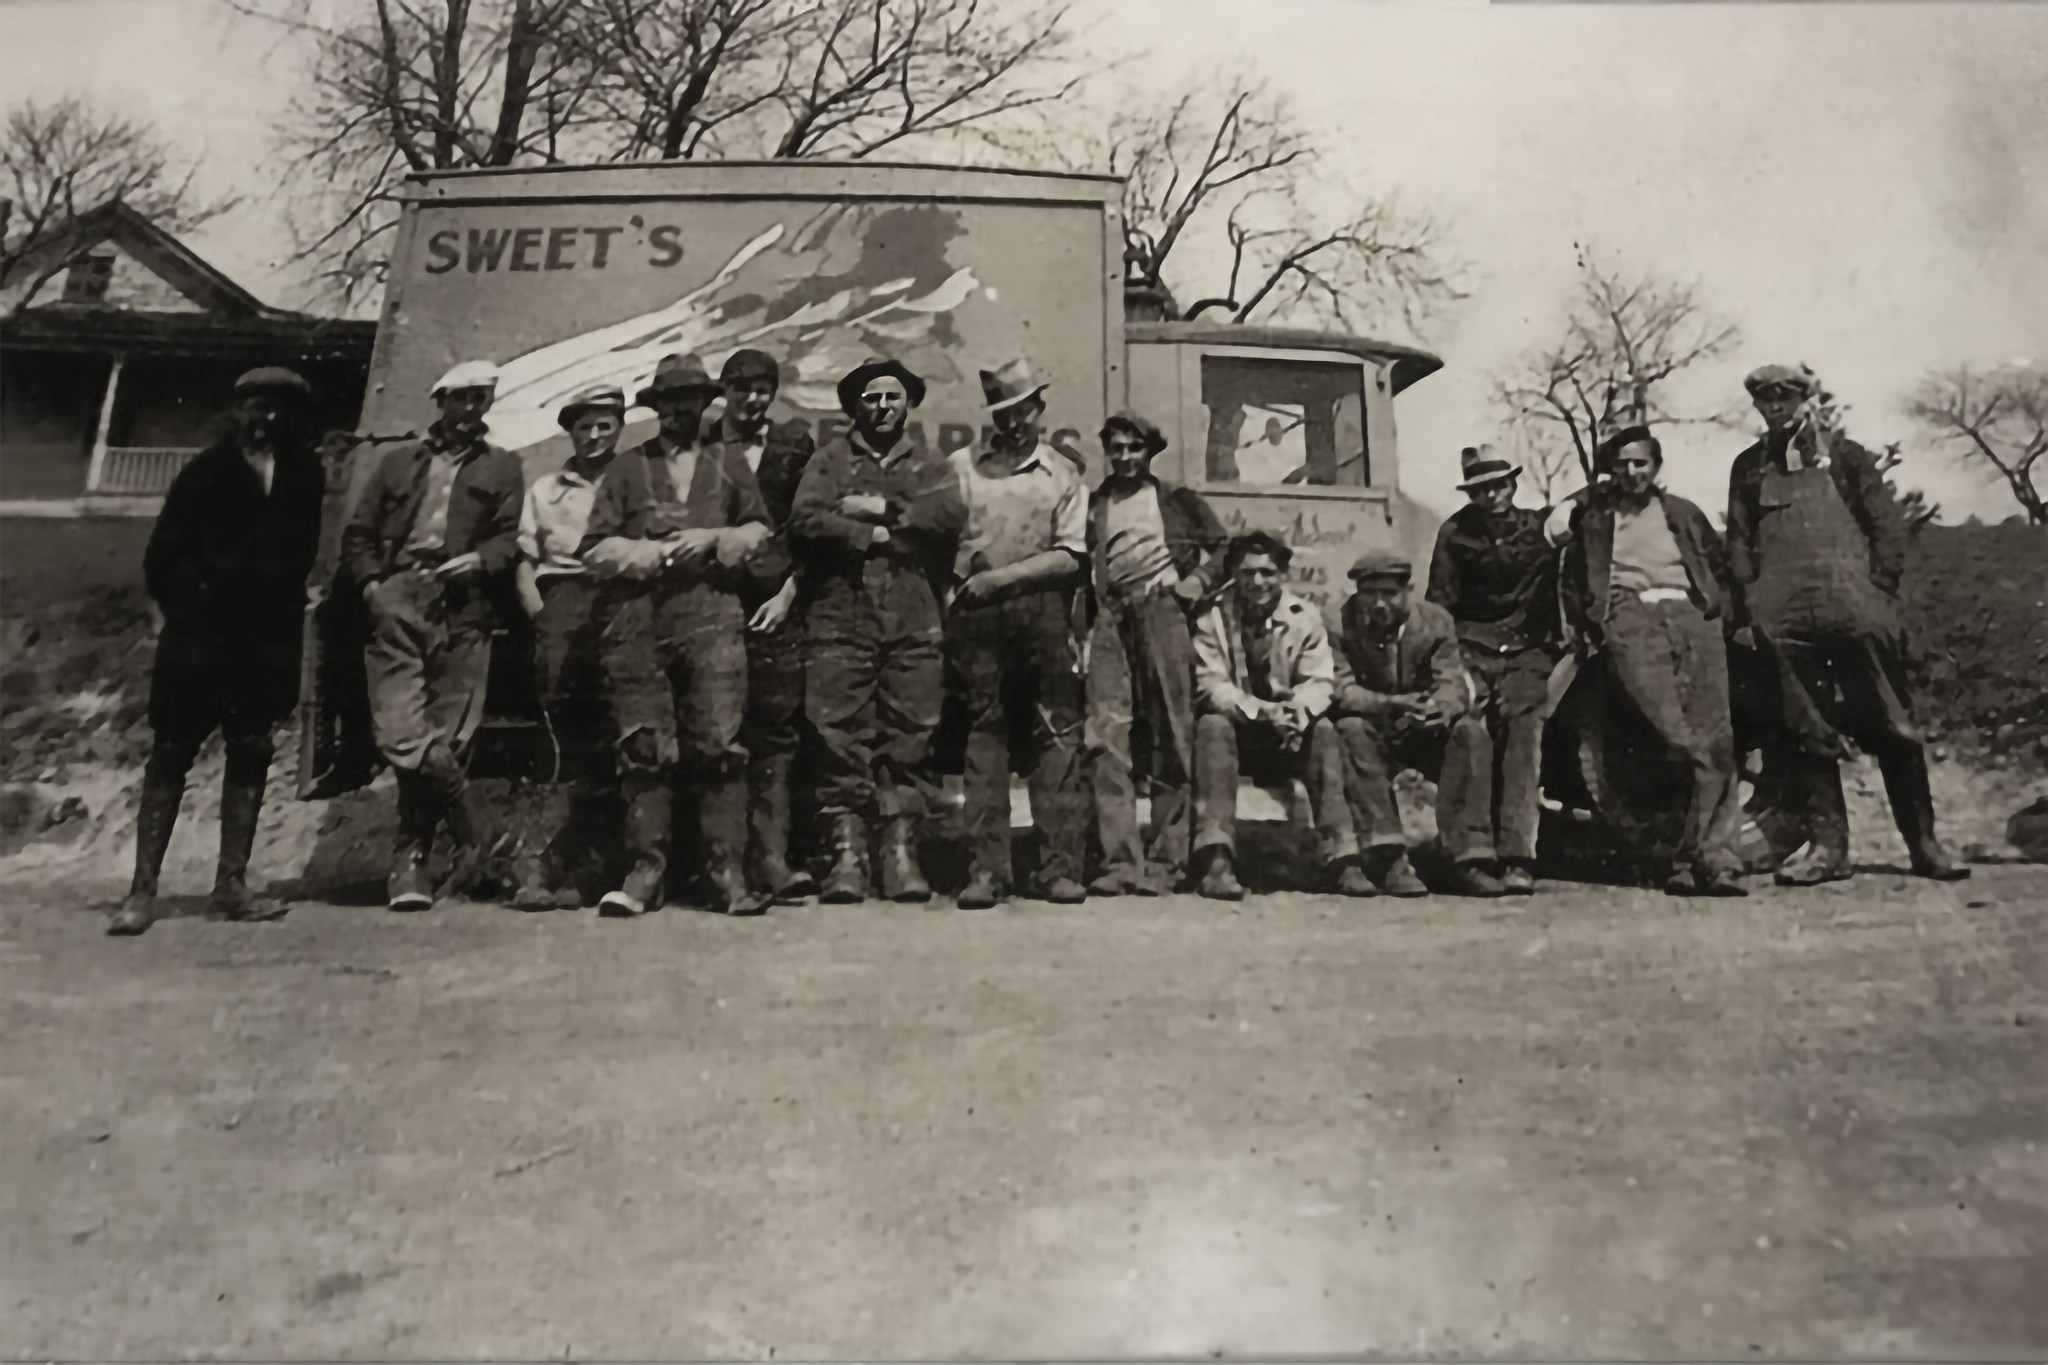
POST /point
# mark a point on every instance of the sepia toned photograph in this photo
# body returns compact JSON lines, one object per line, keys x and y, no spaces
{"x":1023,"y":679}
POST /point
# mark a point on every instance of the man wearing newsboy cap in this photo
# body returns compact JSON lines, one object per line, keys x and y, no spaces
{"x":227,"y":564}
{"x":1817,"y":538}
{"x":437,"y":524}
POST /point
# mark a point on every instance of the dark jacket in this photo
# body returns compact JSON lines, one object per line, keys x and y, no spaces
{"x":786,"y":448}
{"x":1194,"y":537}
{"x":927,"y":514}
{"x":1589,"y":563}
{"x":483,"y":510}
{"x":1497,"y":580}
{"x":1426,"y":663}
{"x":1863,"y":488}
{"x":226,"y":561}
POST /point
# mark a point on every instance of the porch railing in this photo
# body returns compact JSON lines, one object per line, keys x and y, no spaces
{"x":140,"y":471}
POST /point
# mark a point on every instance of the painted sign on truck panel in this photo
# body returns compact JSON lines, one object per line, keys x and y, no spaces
{"x":566,"y":295}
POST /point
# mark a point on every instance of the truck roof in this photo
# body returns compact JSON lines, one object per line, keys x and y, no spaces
{"x":1409,"y":363}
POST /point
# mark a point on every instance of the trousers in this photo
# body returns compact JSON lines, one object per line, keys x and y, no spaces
{"x":1141,"y":671}
{"x":428,"y":660}
{"x":675,"y":666}
{"x":1227,"y":747}
{"x":1376,"y":751}
{"x":873,"y":689}
{"x":1493,"y":765}
{"x":1017,"y":657}
{"x":1672,"y":663}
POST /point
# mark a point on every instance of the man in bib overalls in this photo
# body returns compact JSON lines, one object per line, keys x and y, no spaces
{"x":1816,"y":534}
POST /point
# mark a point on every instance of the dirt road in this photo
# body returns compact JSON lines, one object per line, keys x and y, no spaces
{"x":1607,"y":1124}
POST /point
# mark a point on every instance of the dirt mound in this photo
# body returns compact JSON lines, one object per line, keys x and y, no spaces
{"x":1976,"y":600}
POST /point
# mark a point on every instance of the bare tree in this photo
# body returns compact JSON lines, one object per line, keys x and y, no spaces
{"x":1548,"y":464}
{"x":1233,"y":153}
{"x":1625,"y":337}
{"x":65,"y":157}
{"x":1995,"y":417}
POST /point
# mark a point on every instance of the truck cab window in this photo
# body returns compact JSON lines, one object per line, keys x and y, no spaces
{"x":1275,"y":423}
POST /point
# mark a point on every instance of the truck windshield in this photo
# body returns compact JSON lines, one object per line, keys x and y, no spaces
{"x":1274,"y":423}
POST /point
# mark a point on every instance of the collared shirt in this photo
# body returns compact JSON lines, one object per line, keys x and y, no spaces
{"x":1134,"y":561}
{"x":430,"y":525}
{"x":681,"y":462}
{"x":553,"y":520}
{"x":1036,"y":505}
{"x":264,"y":465}
{"x":1257,"y":638}
{"x":1646,"y":559}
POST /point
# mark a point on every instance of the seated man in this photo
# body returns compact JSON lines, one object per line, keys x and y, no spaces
{"x":1403,"y":690}
{"x":1264,"y":678}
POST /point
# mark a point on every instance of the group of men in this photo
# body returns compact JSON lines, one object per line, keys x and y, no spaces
{"x":727,"y":603}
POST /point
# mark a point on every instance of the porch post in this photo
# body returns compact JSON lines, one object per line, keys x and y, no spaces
{"x":97,"y":468}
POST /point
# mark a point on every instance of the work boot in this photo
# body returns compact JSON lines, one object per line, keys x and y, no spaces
{"x":156,"y":814}
{"x":902,"y":879}
{"x":1472,"y":879}
{"x":1218,"y":881}
{"x":768,"y":846}
{"x":1911,"y":793}
{"x":1399,"y":879}
{"x":980,"y":893}
{"x":537,"y":872}
{"x":409,"y":889}
{"x":1352,"y":881}
{"x":1517,"y":878}
{"x":1721,"y":882}
{"x":722,"y":822}
{"x":649,"y":809}
{"x":466,"y":853}
{"x":1114,"y":881}
{"x":1817,"y":785}
{"x":1814,"y":864}
{"x":847,"y":882}
{"x":241,"y":803}
{"x":1064,"y":891}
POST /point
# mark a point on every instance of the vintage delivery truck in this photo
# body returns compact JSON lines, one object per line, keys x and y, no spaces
{"x":567,"y":277}
{"x":572,"y":276}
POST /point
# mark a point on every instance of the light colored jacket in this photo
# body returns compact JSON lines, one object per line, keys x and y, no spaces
{"x":1301,"y":666}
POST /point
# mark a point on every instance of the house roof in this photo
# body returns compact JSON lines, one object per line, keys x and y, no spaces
{"x":60,"y":328}
{"x":161,"y":251}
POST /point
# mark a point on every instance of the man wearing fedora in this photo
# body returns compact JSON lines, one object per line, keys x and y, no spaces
{"x":1157,"y":554}
{"x":773,"y":730}
{"x":227,"y":564}
{"x":1013,"y":639}
{"x":671,"y":533}
{"x":1402,"y":693}
{"x":874,"y":526}
{"x":438,"y":522}
{"x":1817,"y":540}
{"x":1495,"y":572}
{"x":560,"y":596}
{"x":1264,"y":681}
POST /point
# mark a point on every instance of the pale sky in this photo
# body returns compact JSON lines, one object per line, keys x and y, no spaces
{"x":1863,"y":188}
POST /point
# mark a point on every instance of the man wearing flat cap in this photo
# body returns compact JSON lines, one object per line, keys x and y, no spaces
{"x":875,"y":525}
{"x":438,"y":522}
{"x":671,"y":536}
{"x":1495,"y":572}
{"x":773,"y":730}
{"x":560,"y":596}
{"x":1646,"y":583}
{"x":1156,"y":551}
{"x":1265,"y":677}
{"x":227,"y":564}
{"x":1012,"y":637}
{"x":1816,"y":537}
{"x":1402,"y":692}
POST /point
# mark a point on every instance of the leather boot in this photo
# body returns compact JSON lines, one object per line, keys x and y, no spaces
{"x":156,"y":814}
{"x":1825,"y":857}
{"x":538,"y":872}
{"x":409,"y":888}
{"x":847,"y":882}
{"x":465,"y":853}
{"x":722,"y":821}
{"x":241,"y":804}
{"x":768,"y":846}
{"x":649,"y":810}
{"x":1218,"y":879}
{"x":902,"y":880}
{"x":1907,"y":785}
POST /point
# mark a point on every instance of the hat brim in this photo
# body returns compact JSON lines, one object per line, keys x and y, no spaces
{"x":1002,"y":403}
{"x":651,"y":393}
{"x":568,"y":415}
{"x":1512,"y":471}
{"x":857,"y":379}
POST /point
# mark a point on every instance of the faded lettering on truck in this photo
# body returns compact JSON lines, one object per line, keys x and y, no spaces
{"x":488,"y":250}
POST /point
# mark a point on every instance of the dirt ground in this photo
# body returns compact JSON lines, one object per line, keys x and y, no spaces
{"x":1600,"y":1123}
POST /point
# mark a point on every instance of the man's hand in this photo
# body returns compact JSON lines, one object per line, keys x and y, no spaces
{"x":1746,"y":637}
{"x":980,"y":589}
{"x":462,"y":566}
{"x":1190,"y":589}
{"x":865,"y":507}
{"x":738,"y":544}
{"x":529,"y":597}
{"x":770,"y":615}
{"x":690,"y":550}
